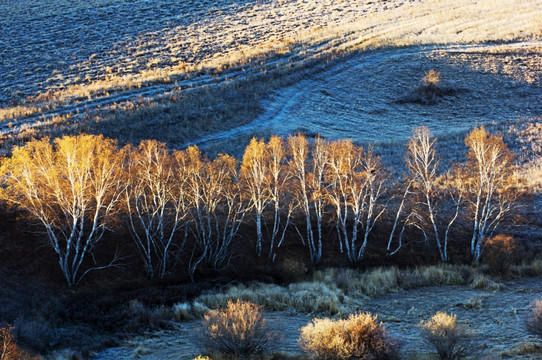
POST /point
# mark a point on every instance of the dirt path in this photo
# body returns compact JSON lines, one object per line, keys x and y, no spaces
{"x":355,"y":98}
{"x":497,"y":322}
{"x":358,"y":98}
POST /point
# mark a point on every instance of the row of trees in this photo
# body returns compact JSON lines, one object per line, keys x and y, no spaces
{"x":180,"y":204}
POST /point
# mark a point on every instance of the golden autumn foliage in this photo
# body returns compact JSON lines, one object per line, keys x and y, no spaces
{"x":8,"y":348}
{"x":238,"y":330}
{"x":489,"y":167}
{"x":451,"y":340}
{"x":357,"y":337}
{"x":156,"y":200}
{"x":72,"y":188}
{"x":181,"y":202}
{"x":264,"y":176}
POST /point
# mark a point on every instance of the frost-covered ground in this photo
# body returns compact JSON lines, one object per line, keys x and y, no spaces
{"x":70,"y":61}
{"x":495,"y":318}
{"x":360,"y":97}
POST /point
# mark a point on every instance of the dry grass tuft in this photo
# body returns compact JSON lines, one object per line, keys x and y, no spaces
{"x":144,"y":318}
{"x":527,"y":348}
{"x":239,"y":330}
{"x":357,"y":337}
{"x":481,"y":281}
{"x":451,"y":340}
{"x":182,"y":311}
{"x":202,"y":357}
{"x":474,"y":303}
{"x":532,"y":268}
{"x":443,"y":274}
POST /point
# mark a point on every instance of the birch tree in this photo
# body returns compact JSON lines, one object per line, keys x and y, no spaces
{"x":489,"y":166}
{"x":72,"y":189}
{"x":278,"y":192}
{"x":422,"y":161}
{"x":318,"y":164}
{"x":405,"y":215}
{"x":255,"y":177}
{"x":156,"y":202}
{"x":216,"y":206}
{"x":298,"y":147}
{"x":356,"y":184}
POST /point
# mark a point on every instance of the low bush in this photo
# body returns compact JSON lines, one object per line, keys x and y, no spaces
{"x":501,"y":252}
{"x":291,"y":270}
{"x":238,"y":330}
{"x":182,"y":311}
{"x":451,"y":340}
{"x":533,"y":321}
{"x":431,"y":78}
{"x":357,"y":337}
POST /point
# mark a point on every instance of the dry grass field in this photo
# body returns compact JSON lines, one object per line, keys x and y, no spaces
{"x":216,"y":73}
{"x":78,"y":67}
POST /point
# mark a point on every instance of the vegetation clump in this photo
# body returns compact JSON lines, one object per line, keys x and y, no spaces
{"x":501,"y":252}
{"x":533,"y":322}
{"x":238,"y":330}
{"x":431,"y":78}
{"x":430,"y":91}
{"x":357,"y":337}
{"x":450,"y":340}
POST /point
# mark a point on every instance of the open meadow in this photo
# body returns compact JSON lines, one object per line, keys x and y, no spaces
{"x":270,"y":179}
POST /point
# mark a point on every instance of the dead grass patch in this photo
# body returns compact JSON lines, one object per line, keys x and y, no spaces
{"x":335,"y":291}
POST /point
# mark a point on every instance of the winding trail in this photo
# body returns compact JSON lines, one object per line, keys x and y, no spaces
{"x":300,"y":107}
{"x":353,"y":98}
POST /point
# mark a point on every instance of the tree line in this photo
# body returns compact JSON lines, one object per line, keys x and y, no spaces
{"x":181,"y":204}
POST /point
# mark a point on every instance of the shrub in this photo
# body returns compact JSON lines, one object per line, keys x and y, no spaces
{"x":501,"y":252}
{"x":534,"y":320}
{"x":431,"y":78}
{"x":237,"y":330}
{"x":8,"y":348}
{"x":357,"y":337}
{"x":451,"y":340}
